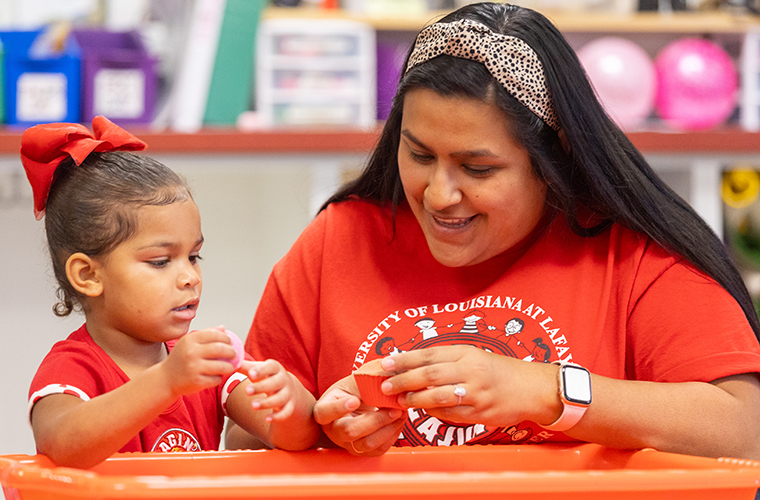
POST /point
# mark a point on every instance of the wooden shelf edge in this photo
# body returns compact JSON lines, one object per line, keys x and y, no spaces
{"x":720,"y":141}
{"x":270,"y":141}
{"x":565,"y":20}
{"x":226,"y":141}
{"x":316,"y":141}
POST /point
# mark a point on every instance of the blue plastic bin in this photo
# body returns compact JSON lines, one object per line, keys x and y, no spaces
{"x":41,"y":89}
{"x":119,"y":78}
{"x":2,"y":72}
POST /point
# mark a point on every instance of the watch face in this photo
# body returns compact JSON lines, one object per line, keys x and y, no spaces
{"x":577,"y":384}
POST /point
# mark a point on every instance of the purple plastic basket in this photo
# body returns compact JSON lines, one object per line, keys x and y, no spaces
{"x":119,"y":77}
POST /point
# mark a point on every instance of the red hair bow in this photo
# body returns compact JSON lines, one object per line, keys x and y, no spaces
{"x":44,"y":147}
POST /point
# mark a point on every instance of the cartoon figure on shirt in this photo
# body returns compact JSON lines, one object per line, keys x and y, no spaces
{"x":518,"y":435}
{"x":427,"y":330}
{"x":540,"y":351}
{"x":472,"y":323}
{"x":426,"y":327}
{"x":512,"y":327}
{"x":533,"y":349}
{"x":386,"y":346}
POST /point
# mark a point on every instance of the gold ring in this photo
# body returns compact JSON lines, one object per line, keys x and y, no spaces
{"x":354,"y":448}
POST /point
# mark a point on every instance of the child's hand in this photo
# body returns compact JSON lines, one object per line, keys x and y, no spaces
{"x":276,"y":387}
{"x":286,"y":421}
{"x":199,"y":359}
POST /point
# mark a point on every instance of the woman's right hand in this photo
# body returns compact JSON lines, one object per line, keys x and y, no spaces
{"x":361,"y":429}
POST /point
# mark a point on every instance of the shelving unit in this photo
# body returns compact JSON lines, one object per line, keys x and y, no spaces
{"x":703,"y":155}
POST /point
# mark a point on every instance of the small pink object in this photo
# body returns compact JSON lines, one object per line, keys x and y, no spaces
{"x":237,"y":344}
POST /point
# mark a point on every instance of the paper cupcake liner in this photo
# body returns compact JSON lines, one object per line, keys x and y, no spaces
{"x":369,"y":390}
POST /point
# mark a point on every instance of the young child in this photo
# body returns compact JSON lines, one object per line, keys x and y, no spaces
{"x":125,"y":236}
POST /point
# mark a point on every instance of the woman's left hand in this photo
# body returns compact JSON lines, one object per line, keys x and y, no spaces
{"x":467,"y":385}
{"x":348,"y":422}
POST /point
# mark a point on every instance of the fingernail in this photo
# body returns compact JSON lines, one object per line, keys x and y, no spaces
{"x":388,"y":364}
{"x":386,"y":387}
{"x":394,"y":413}
{"x":256,"y":405}
{"x":250,"y":390}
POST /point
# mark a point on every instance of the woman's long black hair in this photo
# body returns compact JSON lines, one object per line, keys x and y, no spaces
{"x":598,"y":168}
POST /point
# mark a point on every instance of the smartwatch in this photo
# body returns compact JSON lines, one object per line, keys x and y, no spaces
{"x":575,"y":393}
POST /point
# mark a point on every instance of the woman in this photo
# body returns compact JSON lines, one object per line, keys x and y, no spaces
{"x":500,"y":190}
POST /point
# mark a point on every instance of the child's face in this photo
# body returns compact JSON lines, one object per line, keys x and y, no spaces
{"x":152,"y":282}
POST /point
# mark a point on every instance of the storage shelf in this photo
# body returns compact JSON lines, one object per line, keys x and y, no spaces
{"x":653,"y":22}
{"x":346,"y":140}
{"x":719,"y":141}
{"x":701,"y":155}
{"x":567,"y":21}
{"x":230,"y":140}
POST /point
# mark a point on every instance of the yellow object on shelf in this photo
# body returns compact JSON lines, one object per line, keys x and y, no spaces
{"x":740,"y":187}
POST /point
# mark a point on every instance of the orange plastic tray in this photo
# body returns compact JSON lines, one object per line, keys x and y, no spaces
{"x":579,"y":471}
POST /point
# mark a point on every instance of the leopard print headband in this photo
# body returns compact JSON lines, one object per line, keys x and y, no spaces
{"x":510,"y":60}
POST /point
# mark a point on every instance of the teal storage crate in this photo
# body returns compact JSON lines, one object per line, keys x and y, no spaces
{"x":40,"y":88}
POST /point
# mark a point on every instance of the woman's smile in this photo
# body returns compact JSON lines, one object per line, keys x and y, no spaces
{"x":453,"y":223}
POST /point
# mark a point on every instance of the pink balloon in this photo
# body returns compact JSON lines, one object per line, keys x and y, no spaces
{"x":624,"y":78}
{"x":697,"y":84}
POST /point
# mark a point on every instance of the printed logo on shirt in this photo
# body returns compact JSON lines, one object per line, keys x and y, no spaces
{"x":503,"y":325}
{"x":176,"y":440}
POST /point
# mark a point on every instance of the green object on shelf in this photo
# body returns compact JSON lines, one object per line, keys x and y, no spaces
{"x":232,"y":79}
{"x":745,"y":240}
